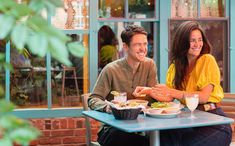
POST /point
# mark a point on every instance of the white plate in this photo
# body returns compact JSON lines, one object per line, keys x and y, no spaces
{"x":156,"y":115}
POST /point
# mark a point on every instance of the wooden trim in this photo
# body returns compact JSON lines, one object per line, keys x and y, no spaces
{"x":229,"y":95}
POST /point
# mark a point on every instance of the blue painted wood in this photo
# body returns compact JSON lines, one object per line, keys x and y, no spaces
{"x":93,"y":43}
{"x":143,"y":123}
{"x":165,"y":13}
{"x":232,"y":46}
{"x":48,"y":72}
{"x":45,"y":113}
{"x":7,"y":72}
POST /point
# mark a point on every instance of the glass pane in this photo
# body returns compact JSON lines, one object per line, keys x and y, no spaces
{"x":183,"y":8}
{"x":141,"y":8}
{"x":74,"y":15}
{"x":69,"y":83}
{"x":2,"y":71}
{"x":112,"y":33}
{"x":28,"y":80}
{"x":111,"y":8}
{"x":218,"y":42}
{"x":212,"y":8}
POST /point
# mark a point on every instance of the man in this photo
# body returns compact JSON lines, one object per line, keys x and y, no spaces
{"x":124,"y":75}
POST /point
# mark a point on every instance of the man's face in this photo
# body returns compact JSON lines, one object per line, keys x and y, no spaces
{"x":137,"y":50}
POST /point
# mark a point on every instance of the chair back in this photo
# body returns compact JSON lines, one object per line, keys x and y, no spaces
{"x":87,"y":121}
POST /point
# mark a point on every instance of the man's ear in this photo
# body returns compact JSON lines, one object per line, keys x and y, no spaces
{"x":125,"y":47}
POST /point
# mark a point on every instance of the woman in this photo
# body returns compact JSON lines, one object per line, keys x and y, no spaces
{"x":192,"y":71}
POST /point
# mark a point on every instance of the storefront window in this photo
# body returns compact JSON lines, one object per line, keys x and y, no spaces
{"x":111,"y":8}
{"x":183,"y":8}
{"x":141,"y":9}
{"x":212,"y":8}
{"x":74,"y":15}
{"x":28,"y":80}
{"x":69,"y":83}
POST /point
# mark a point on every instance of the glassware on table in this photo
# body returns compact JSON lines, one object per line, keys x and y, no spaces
{"x":121,"y":97}
{"x":192,"y":101}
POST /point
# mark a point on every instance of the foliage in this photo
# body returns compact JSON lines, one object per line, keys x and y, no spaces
{"x":24,"y":25}
{"x":13,"y":129}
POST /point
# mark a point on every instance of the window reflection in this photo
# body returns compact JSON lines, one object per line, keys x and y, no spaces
{"x":73,"y":15}
{"x":111,"y":8}
{"x":218,"y":42}
{"x":68,"y":83}
{"x":212,"y":8}
{"x":183,"y":8}
{"x":2,"y":71}
{"x":28,"y":79}
{"x":141,"y":8}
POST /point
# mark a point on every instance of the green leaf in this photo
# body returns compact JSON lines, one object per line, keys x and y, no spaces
{"x":19,"y":35}
{"x":6,"y":107}
{"x":59,"y":51}
{"x":38,"y":44}
{"x":6,"y":4}
{"x":1,"y":92}
{"x":24,"y":135}
{"x":5,"y":142}
{"x":20,"y":10}
{"x":37,"y":5}
{"x":77,"y":49}
{"x":6,"y":24}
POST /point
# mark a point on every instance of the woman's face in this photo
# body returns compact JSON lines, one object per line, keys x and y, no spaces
{"x":196,"y":43}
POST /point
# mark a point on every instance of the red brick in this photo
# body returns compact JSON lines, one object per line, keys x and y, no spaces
{"x":94,"y":131}
{"x":63,"y":124}
{"x":71,"y":123}
{"x":49,"y":141}
{"x":80,"y":123}
{"x":73,"y":140}
{"x":55,"y":124}
{"x":39,"y":124}
{"x":95,"y":124}
{"x":80,"y":132}
{"x":46,"y":133}
{"x":34,"y":143}
{"x":62,"y":133}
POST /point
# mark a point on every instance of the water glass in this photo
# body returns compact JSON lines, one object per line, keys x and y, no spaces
{"x":121,"y":97}
{"x":192,"y":101}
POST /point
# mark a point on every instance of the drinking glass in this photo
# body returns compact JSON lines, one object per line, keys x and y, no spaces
{"x":121,"y":97}
{"x":192,"y":101}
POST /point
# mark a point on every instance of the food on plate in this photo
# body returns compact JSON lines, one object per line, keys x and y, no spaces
{"x":138,"y":101}
{"x":160,"y":105}
{"x":115,"y":93}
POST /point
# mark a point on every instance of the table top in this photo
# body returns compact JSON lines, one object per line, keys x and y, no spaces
{"x":145,"y":123}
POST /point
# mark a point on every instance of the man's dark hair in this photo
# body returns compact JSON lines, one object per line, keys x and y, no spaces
{"x":130,"y":31}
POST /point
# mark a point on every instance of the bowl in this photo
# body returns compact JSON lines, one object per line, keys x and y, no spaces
{"x":126,"y":114}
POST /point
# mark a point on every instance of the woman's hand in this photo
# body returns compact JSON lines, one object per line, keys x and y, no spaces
{"x":141,"y":91}
{"x":161,"y":92}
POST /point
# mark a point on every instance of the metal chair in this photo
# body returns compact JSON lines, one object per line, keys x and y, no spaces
{"x":87,"y":121}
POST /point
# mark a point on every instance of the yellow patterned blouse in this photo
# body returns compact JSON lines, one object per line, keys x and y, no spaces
{"x":205,"y":72}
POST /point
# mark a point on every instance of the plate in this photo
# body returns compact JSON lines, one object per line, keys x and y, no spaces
{"x":157,"y":115}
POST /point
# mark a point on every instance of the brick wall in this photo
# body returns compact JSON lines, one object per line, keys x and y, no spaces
{"x":63,"y":131}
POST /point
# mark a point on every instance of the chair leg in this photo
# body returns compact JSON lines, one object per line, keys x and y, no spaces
{"x":76,"y":84}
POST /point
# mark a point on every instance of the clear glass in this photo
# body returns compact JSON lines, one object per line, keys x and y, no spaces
{"x":121,"y":97}
{"x":28,"y":80}
{"x":141,"y":8}
{"x":117,"y":28}
{"x":212,"y":8}
{"x":192,"y":101}
{"x":219,"y":43}
{"x":73,"y":15}
{"x":111,"y":8}
{"x":67,"y":89}
{"x":183,"y":8}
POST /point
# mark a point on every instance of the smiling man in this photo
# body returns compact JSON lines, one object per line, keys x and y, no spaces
{"x":124,"y":75}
